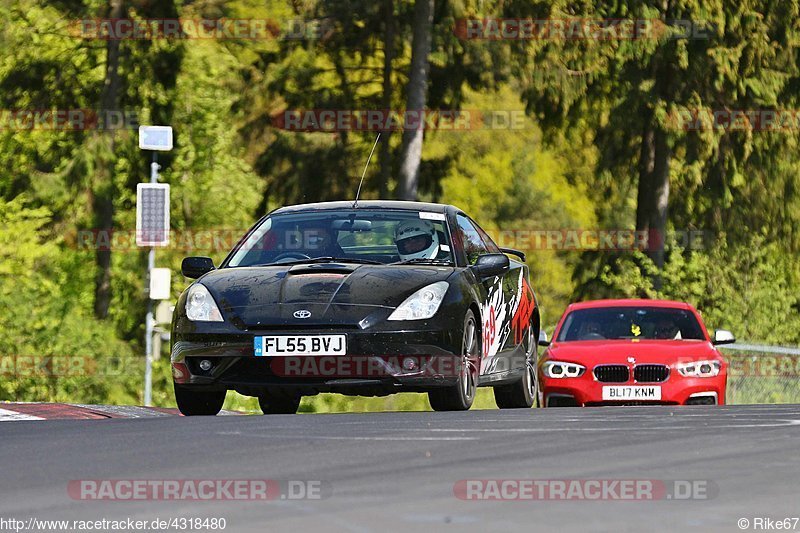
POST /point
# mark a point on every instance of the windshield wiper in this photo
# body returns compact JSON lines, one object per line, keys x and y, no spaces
{"x":326,"y":259}
{"x":424,"y":261}
{"x":354,"y":260}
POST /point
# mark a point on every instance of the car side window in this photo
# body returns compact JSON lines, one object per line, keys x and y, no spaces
{"x":490,"y":245}
{"x":473,"y":242}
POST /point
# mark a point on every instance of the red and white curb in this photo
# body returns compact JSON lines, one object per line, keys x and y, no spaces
{"x":11,"y":416}
{"x":13,"y":412}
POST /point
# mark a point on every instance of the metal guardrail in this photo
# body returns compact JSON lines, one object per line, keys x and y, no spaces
{"x":759,"y":374}
{"x":762,"y":348}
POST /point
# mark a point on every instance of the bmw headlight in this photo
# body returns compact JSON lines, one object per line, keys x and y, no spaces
{"x":200,"y":305}
{"x":422,"y":304}
{"x":560,"y":369}
{"x":699,"y":369}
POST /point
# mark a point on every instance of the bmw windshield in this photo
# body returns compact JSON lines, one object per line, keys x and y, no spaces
{"x":618,"y":323}
{"x":361,"y":236}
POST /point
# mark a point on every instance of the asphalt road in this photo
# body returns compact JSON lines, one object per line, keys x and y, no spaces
{"x":397,"y":471}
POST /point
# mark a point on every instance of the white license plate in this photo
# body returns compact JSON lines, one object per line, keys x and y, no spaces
{"x":286,"y":345}
{"x":631,"y":393}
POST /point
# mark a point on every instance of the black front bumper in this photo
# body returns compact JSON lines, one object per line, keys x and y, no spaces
{"x":376,"y":364}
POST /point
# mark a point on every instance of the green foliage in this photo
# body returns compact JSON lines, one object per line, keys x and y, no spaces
{"x":44,"y":342}
{"x":517,"y":187}
{"x":747,"y":288}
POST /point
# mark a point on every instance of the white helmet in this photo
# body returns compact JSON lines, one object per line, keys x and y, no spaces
{"x":416,"y":239}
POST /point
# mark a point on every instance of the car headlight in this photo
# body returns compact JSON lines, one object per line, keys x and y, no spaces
{"x":699,"y":369}
{"x":200,"y":305}
{"x":560,"y":369}
{"x":422,"y":304}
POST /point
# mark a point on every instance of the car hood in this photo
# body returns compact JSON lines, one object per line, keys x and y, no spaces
{"x":333,"y":293}
{"x":642,"y":351}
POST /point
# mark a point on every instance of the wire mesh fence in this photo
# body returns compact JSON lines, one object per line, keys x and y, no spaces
{"x":760,"y":374}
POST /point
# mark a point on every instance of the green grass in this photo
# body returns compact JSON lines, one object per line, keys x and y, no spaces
{"x":337,"y":403}
{"x":762,"y":378}
{"x":763,"y":390}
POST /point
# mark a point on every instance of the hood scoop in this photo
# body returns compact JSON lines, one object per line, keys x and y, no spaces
{"x":322,"y":268}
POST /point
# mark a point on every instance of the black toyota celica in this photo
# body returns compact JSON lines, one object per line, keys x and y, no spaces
{"x":360,"y":299}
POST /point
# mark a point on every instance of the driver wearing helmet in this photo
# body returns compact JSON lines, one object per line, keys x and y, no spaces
{"x":416,"y":239}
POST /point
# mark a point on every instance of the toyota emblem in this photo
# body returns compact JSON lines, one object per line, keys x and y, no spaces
{"x":302,"y":313}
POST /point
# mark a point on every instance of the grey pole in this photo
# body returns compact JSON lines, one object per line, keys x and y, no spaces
{"x":149,"y":321}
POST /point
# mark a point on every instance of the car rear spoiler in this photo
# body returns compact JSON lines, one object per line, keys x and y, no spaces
{"x":511,"y":251}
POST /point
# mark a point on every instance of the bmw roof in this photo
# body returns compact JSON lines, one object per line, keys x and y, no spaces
{"x":629,"y":302}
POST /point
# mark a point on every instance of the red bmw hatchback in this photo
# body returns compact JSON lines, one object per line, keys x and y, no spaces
{"x":623,"y":352}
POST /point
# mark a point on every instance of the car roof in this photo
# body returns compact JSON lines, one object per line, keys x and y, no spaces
{"x":629,"y":302}
{"x":369,"y":204}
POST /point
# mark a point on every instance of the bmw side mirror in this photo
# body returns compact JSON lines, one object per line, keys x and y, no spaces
{"x":194,"y":267}
{"x":543,"y":340}
{"x":489,"y":265}
{"x":723,"y":336}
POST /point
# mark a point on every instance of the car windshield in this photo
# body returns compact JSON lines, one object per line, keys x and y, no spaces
{"x":357,"y":235}
{"x":613,"y":323}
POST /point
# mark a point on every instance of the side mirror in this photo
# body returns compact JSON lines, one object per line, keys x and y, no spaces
{"x":723,"y":336}
{"x":194,"y":267}
{"x":489,"y":265}
{"x":543,"y":340}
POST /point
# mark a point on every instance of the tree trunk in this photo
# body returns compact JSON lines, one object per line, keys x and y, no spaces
{"x":386,"y":101}
{"x":653,"y":192}
{"x":644,"y":190}
{"x":411,"y":150}
{"x":103,"y":187}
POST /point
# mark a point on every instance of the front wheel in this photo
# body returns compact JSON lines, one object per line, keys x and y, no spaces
{"x":272,"y":403}
{"x":459,"y":397}
{"x":199,"y":403}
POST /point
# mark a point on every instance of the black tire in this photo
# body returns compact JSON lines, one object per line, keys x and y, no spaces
{"x":199,"y":403}
{"x":459,"y":397}
{"x":272,"y":403}
{"x":523,"y":393}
